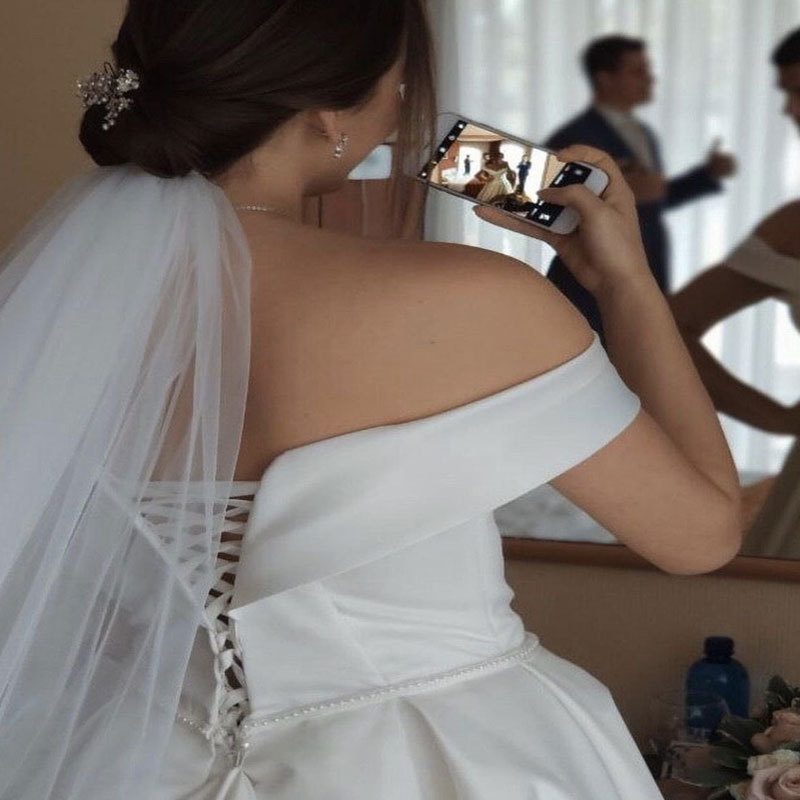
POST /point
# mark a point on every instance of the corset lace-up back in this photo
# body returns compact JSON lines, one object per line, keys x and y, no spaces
{"x":381,"y":655}
{"x":232,"y":703}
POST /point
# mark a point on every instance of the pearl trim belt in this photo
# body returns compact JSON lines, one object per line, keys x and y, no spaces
{"x":256,"y":724}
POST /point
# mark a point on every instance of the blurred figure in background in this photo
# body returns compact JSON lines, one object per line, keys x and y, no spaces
{"x":765,"y":265}
{"x":523,"y":168}
{"x":619,"y":72}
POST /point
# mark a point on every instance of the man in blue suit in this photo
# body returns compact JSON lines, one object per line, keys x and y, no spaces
{"x":619,"y":72}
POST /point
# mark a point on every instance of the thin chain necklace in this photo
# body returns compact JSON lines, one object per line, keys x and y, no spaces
{"x":270,"y":209}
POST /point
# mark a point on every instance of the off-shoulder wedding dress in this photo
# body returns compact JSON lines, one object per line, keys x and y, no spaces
{"x":360,"y":644}
{"x":339,"y":630}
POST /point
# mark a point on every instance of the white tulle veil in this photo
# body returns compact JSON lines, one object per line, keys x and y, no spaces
{"x":124,"y":353}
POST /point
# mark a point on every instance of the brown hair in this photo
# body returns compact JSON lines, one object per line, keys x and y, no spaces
{"x":218,"y":77}
{"x":787,"y":53}
{"x":605,"y":54}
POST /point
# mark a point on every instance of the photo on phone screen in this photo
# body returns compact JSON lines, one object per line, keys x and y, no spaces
{"x":489,"y":167}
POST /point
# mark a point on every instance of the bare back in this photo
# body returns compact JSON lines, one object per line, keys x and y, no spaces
{"x":351,"y":333}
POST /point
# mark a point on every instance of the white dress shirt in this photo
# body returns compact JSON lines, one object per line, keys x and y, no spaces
{"x":632,"y":132}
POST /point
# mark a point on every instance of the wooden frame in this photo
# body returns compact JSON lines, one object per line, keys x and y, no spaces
{"x":613,"y":555}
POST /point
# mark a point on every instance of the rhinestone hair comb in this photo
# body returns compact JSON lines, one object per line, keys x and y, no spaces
{"x":108,"y":88}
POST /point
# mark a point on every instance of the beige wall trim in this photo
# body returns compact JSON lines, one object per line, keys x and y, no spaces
{"x":610,"y":555}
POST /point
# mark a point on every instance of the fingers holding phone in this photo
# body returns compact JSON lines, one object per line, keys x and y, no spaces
{"x":617,"y":191}
{"x":607,"y":245}
{"x":512,"y":171}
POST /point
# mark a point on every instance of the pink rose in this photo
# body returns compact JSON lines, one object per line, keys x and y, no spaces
{"x":785,"y":728}
{"x":775,"y":783}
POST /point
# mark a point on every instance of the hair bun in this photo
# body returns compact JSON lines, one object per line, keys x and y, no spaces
{"x":102,"y":146}
{"x":215,"y":86}
{"x":141,"y":135}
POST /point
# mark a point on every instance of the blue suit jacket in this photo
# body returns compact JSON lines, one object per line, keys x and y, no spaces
{"x":593,"y":129}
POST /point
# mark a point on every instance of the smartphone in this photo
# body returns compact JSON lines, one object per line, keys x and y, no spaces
{"x":484,"y":165}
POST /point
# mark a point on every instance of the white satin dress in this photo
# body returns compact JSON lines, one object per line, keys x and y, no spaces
{"x":497,"y":186}
{"x":374,"y":652}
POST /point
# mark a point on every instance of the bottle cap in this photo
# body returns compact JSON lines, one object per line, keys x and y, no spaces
{"x":719,"y":646}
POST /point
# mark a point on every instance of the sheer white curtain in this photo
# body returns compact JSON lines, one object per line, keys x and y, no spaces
{"x":515,"y":64}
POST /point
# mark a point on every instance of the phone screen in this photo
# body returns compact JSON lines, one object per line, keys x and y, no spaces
{"x":489,"y":167}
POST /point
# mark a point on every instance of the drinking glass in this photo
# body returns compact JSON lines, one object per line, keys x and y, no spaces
{"x":681,"y":725}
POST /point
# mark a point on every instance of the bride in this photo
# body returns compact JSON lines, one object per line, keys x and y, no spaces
{"x":497,"y":183}
{"x":248,"y":467}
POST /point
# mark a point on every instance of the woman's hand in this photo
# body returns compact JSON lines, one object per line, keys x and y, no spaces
{"x":606,"y":247}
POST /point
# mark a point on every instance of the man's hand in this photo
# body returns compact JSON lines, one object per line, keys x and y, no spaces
{"x":721,"y":165}
{"x":647,"y":185}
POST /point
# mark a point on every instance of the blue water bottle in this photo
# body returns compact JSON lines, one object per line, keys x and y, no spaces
{"x":721,"y":674}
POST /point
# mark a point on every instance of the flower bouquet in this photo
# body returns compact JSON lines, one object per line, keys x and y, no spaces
{"x":757,"y":758}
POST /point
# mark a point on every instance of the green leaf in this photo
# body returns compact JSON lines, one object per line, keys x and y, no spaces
{"x":788,"y":745}
{"x":776,"y":702}
{"x":780,"y":695}
{"x":728,"y":757}
{"x":740,"y":730}
{"x":778,"y":685}
{"x":720,"y":794}
{"x":712,"y":777}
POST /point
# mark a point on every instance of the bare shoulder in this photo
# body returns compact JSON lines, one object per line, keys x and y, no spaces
{"x":470,"y":315}
{"x":489,"y":320}
{"x":781,"y":229}
{"x":351,"y":333}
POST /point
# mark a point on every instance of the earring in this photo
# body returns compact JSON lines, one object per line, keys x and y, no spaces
{"x":401,"y":90}
{"x":339,"y":149}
